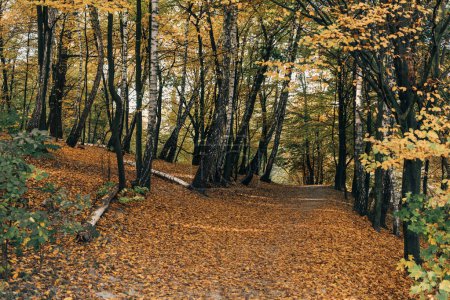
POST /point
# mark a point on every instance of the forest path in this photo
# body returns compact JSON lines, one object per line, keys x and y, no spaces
{"x":266,"y":241}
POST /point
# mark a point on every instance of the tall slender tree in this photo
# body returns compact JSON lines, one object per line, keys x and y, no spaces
{"x":46,"y":20}
{"x":78,"y":127}
{"x":145,"y":174}
{"x":118,"y":101}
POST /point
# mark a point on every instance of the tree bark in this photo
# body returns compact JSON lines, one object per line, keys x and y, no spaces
{"x":145,"y":175}
{"x":378,"y":172}
{"x":118,"y":101}
{"x":139,"y":84}
{"x":359,"y":176}
{"x":25,"y":91}
{"x":341,"y":169}
{"x":124,"y":63}
{"x":199,"y":146}
{"x":241,"y":134}
{"x":77,"y":129}
{"x":57,"y":91}
{"x":46,"y":21}
{"x":88,"y":231}
{"x":6,"y":97}
{"x":170,"y":146}
{"x":207,"y":172}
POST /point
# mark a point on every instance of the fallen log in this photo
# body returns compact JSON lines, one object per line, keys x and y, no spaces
{"x":170,"y":178}
{"x":157,"y":173}
{"x":88,"y":232}
{"x":165,"y":176}
{"x":81,"y":146}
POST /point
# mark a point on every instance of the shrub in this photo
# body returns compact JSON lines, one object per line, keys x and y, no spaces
{"x":429,"y":217}
{"x":132,"y":195}
{"x":9,"y":121}
{"x":105,"y":188}
{"x":22,"y":227}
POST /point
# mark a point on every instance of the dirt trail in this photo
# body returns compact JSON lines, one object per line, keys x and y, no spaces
{"x":265,"y":241}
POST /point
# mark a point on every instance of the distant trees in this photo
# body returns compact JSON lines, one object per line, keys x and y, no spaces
{"x":391,"y":43}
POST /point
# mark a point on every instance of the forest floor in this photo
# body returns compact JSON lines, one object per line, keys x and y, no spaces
{"x":266,"y":241}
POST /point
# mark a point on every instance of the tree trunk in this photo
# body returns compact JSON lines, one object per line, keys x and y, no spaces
{"x":126,"y":142}
{"x":88,"y":231}
{"x":425,"y":177}
{"x":46,"y":21}
{"x":207,"y":172}
{"x":170,"y":146}
{"x":341,"y":169}
{"x":241,"y":134}
{"x":78,"y":127}
{"x":255,"y":163}
{"x":124,"y":63}
{"x":198,"y":149}
{"x":139,"y":93}
{"x":445,"y":166}
{"x":158,"y":112}
{"x":359,"y":176}
{"x":378,"y":172}
{"x":367,"y":151}
{"x":281,"y":107}
{"x":145,"y":174}
{"x":411,"y":184}
{"x":232,"y":93}
{"x":6,"y":97}
{"x":118,"y":101}
{"x":57,"y":91}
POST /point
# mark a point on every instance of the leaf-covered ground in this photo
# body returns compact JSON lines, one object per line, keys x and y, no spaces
{"x":264,"y":241}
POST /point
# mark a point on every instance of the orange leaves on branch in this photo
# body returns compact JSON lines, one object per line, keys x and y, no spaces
{"x":364,"y":26}
{"x":428,"y":141}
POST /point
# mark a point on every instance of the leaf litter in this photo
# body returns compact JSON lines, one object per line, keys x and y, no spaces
{"x":266,"y":241}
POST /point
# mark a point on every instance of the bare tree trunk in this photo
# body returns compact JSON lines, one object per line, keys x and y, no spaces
{"x":159,"y":111}
{"x":378,"y":172}
{"x":341,"y":168}
{"x":232,"y":93}
{"x":233,"y":154}
{"x":124,"y":63}
{"x":46,"y":23}
{"x":281,"y":107}
{"x":139,"y":87}
{"x":57,"y":91}
{"x":6,"y":97}
{"x":118,"y":101}
{"x":170,"y":146}
{"x":445,"y":166}
{"x":359,"y":147}
{"x":75,"y":133}
{"x":88,"y":231}
{"x":266,"y":135}
{"x":145,"y":175}
{"x":25,"y":91}
{"x":207,"y":173}
{"x":198,"y":147}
